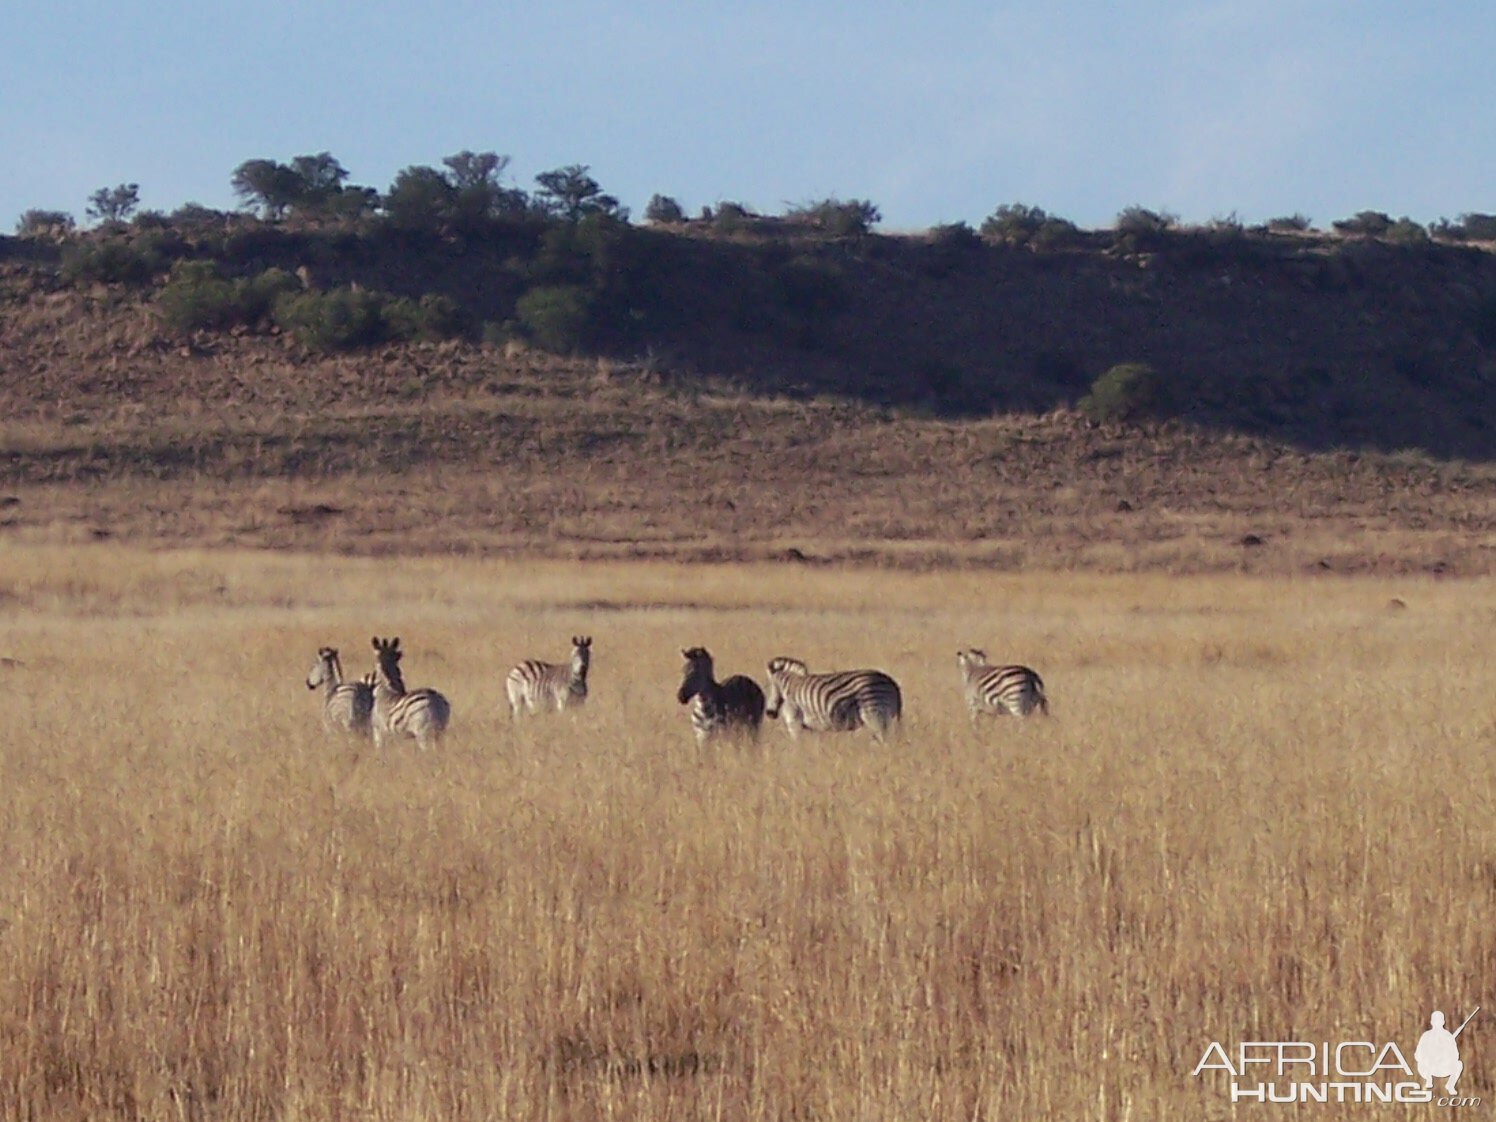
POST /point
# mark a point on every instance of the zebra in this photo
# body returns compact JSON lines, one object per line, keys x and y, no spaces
{"x":537,"y":685}
{"x":840,"y":702}
{"x":420,"y":714}
{"x":346,"y":706}
{"x":996,"y":690}
{"x":719,"y":708}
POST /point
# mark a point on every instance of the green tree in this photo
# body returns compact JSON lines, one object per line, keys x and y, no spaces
{"x":319,"y":176}
{"x":114,"y":204}
{"x":267,"y":186}
{"x":310,"y":183}
{"x":572,"y":194}
{"x":478,"y":193}
{"x":421,"y":198}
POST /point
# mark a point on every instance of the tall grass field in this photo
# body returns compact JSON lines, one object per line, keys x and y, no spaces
{"x":1261,"y":810}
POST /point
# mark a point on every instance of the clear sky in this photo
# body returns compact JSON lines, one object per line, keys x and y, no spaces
{"x":936,"y":112}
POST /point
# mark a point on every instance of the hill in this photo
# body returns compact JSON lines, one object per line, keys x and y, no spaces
{"x":1325,"y":402}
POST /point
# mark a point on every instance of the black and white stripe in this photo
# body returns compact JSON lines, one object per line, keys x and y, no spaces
{"x":838,"y":702}
{"x":536,"y":685}
{"x":346,"y":706}
{"x":733,"y":707}
{"x":421,"y":714}
{"x":996,"y":690}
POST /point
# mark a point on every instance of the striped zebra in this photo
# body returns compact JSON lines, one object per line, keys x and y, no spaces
{"x":420,"y":714}
{"x":735,"y":706}
{"x":346,"y":706}
{"x":995,"y":690}
{"x":537,"y":685}
{"x":839,"y":702}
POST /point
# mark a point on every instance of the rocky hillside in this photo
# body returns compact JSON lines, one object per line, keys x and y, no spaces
{"x":1326,"y":404}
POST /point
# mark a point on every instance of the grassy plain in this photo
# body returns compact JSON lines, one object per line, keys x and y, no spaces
{"x":1263,"y":809}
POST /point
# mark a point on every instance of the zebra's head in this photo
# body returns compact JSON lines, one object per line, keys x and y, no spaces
{"x":327,"y":669}
{"x":779,"y":669}
{"x":972,"y":658}
{"x":698,"y":673}
{"x":387,"y":655}
{"x":581,"y":656}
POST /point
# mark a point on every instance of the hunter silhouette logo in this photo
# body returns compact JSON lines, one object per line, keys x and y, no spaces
{"x":1438,"y":1052}
{"x":1351,"y":1071}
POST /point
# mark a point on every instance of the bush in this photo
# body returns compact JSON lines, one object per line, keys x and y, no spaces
{"x":1014,"y":223}
{"x":1478,"y":227}
{"x":1126,"y":392}
{"x":1407,"y":232}
{"x":664,"y":209}
{"x":44,"y":224}
{"x":731,"y":218}
{"x":838,"y":219}
{"x":338,"y":320}
{"x":954,"y":235}
{"x":197,"y":297}
{"x":115,"y":261}
{"x":556,"y":317}
{"x":1367,"y":224}
{"x":1289,"y":224}
{"x":257,"y":296}
{"x":1017,"y":224}
{"x":1140,"y":229}
{"x":194,"y":217}
{"x":430,"y":318}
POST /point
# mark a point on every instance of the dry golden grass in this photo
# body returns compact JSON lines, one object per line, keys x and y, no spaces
{"x":1261,"y":810}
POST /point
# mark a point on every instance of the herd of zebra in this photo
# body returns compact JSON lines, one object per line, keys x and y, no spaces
{"x":379,"y":705}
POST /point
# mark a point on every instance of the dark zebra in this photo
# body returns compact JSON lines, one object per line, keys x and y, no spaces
{"x":346,"y":706}
{"x":537,"y":685}
{"x":840,"y":702}
{"x":995,"y":690}
{"x":735,"y":706}
{"x":420,"y":714}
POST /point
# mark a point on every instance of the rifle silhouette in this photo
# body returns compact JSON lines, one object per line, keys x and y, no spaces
{"x":1467,"y":1020}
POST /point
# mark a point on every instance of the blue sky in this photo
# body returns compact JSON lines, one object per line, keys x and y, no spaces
{"x":935,"y":112}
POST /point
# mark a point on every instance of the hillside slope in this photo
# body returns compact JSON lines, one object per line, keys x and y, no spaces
{"x":922,"y":419}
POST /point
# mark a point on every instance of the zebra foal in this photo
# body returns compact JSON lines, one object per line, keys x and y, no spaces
{"x":735,"y":706}
{"x":996,"y":690}
{"x":838,"y":702}
{"x":536,"y":685}
{"x":347,"y":707}
{"x":421,"y":714}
